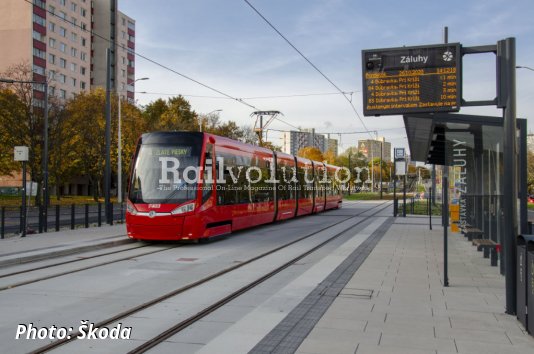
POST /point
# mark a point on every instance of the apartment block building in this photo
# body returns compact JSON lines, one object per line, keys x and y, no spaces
{"x":65,"y":42}
{"x":371,"y":148}
{"x":293,"y":141}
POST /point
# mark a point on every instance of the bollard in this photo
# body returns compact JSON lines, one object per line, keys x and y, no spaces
{"x":86,"y":216}
{"x":72,"y":210}
{"x":3,"y":222}
{"x":57,"y":217}
{"x":99,"y":214}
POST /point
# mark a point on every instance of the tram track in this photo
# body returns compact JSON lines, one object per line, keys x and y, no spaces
{"x":199,"y":315}
{"x":62,"y":273}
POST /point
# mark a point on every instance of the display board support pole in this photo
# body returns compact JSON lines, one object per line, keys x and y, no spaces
{"x":507,"y":101}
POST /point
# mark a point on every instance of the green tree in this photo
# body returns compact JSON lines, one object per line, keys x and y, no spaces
{"x":88,"y":123}
{"x":133,"y":125}
{"x":152,"y":113}
{"x":178,"y":116}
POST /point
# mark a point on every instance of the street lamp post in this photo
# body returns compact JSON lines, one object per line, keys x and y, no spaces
{"x":524,"y":67}
{"x":207,"y":114}
{"x":45,"y":142}
{"x":119,"y":148}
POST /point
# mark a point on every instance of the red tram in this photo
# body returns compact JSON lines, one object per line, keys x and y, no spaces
{"x":189,"y":186}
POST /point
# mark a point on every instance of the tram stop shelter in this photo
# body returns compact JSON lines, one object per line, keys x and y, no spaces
{"x":471,"y":147}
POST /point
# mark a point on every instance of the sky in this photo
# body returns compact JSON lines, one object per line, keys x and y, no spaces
{"x":227,"y":46}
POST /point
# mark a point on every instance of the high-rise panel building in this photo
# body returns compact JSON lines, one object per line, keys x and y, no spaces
{"x":54,"y":38}
{"x":371,"y":148}
{"x":293,"y":141}
{"x":120,"y":29}
{"x":332,"y":144}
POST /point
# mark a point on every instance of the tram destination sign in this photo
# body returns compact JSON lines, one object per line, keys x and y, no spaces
{"x":412,"y":79}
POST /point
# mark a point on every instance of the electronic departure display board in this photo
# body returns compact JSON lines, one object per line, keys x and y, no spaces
{"x":412,"y":79}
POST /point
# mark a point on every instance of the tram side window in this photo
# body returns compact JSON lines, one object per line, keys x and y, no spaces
{"x":226,"y":194}
{"x":330,"y":185}
{"x":235,"y":189}
{"x":305,"y":188}
{"x":261,"y":190}
{"x":285,"y":176}
{"x":319,"y":182}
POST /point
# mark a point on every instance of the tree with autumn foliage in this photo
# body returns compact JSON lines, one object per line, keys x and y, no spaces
{"x":22,"y":120}
{"x":312,"y":153}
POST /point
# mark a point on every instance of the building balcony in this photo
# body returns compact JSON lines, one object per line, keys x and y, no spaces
{"x":38,"y":28}
{"x":39,"y":45}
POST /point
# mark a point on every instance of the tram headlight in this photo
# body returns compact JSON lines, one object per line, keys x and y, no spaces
{"x":131,"y":209}
{"x":184,"y":209}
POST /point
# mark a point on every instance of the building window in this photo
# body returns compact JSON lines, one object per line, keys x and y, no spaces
{"x":83,"y":26}
{"x":123,"y":60}
{"x":73,"y":52}
{"x":39,"y":53}
{"x":51,"y":42}
{"x":62,"y":78}
{"x":38,"y":69}
{"x":52,"y":58}
{"x":73,"y":81}
{"x":83,"y":42}
{"x":63,"y":15}
{"x":73,"y":66}
{"x":131,"y":38}
{"x":38,"y":36}
{"x":83,"y":56}
{"x":82,"y":85}
{"x":73,"y":6}
{"x":63,"y":2}
{"x":62,"y":94}
{"x":123,"y":21}
{"x":74,"y":22}
{"x":131,"y":25}
{"x":52,"y":9}
{"x":39,"y":3}
{"x":52,"y":26}
{"x":51,"y":74}
{"x":63,"y":47}
{"x":83,"y":12}
{"x":38,"y":103}
{"x":123,"y":73}
{"x":82,"y":70}
{"x":62,"y":63}
{"x":52,"y":90}
{"x":74,"y":37}
{"x":39,"y":20}
{"x":62,"y":31}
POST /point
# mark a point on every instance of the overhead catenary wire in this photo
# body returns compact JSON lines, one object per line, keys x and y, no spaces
{"x":344,"y":133}
{"x":248,"y":98}
{"x":240,"y":100}
{"x":309,"y":62}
